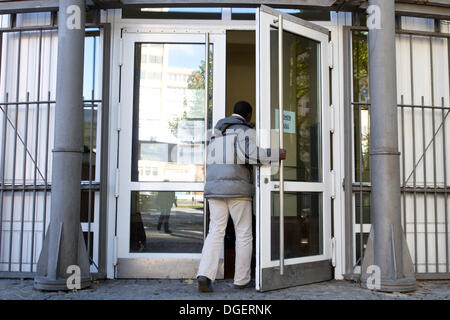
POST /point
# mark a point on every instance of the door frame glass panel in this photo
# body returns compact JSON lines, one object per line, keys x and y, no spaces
{"x":126,"y":185}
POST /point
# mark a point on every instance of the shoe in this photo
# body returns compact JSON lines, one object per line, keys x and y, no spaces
{"x":204,"y":284}
{"x":249,"y":284}
{"x":166,"y":228}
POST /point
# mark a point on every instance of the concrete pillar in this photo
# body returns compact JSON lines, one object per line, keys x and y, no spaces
{"x":64,"y":245}
{"x":386,"y":248}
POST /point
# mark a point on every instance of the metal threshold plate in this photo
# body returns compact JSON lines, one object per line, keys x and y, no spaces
{"x":295,"y":275}
{"x":151,"y":268}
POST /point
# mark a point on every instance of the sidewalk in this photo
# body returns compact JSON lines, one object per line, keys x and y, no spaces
{"x":223,"y":290}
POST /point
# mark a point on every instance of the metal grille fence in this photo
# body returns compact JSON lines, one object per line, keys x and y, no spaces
{"x":423,"y":123}
{"x":27,"y":106}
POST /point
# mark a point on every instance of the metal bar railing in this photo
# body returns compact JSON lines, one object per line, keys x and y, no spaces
{"x":425,"y":183}
{"x":404,"y":105}
{"x":85,"y":185}
{"x":14,"y":150}
{"x":434,"y":159}
{"x":47,"y":138}
{"x":445,"y":184}
{"x":403,"y":164}
{"x":3,"y":164}
{"x":42,"y":102}
{"x":205,"y":149}
{"x":36,"y":147}
{"x":24,"y":172}
{"x":435,"y":132}
{"x":22,"y":197}
{"x":414,"y":150}
{"x":431,"y":185}
{"x":419,"y":189}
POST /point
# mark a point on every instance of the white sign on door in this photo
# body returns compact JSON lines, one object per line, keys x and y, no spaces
{"x":288,"y":120}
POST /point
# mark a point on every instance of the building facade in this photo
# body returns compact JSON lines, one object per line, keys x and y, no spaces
{"x":157,"y":78}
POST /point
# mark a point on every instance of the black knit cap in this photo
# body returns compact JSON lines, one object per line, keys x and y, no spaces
{"x":242,"y":108}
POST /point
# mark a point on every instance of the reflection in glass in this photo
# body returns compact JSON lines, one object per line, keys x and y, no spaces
{"x":363,"y":211}
{"x":365,"y":238}
{"x":360,"y":46}
{"x":302,"y":225}
{"x":169,"y":112}
{"x":166,"y":221}
{"x":302,"y":105}
{"x":89,"y":141}
{"x":361,"y":97}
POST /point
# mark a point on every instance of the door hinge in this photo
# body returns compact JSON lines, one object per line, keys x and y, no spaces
{"x":116,"y":246}
{"x":258,"y":174}
{"x":119,"y":117}
{"x":331,"y":54}
{"x":333,"y":184}
{"x":332,"y":121}
{"x":333,"y":251}
{"x":116,"y":189}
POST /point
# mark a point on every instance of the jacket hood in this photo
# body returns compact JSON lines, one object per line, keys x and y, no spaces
{"x":223,"y":124}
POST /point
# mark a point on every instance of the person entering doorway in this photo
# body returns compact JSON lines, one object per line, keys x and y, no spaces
{"x":229,"y":190}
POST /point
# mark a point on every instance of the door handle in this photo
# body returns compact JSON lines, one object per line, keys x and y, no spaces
{"x":281,"y":131}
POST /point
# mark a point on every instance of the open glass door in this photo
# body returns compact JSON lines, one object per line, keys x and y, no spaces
{"x":292,"y":60}
{"x":172,"y":88}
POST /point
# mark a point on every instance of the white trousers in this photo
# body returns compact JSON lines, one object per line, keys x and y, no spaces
{"x":241,"y":213}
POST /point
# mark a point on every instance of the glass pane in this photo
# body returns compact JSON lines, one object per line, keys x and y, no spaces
{"x":166,"y":221}
{"x":365,"y":210}
{"x":360,"y":46}
{"x":169,"y":112}
{"x":89,"y":142}
{"x":361,"y":95}
{"x":302,"y":105}
{"x":302,"y":224}
{"x":365,"y":238}
{"x":361,"y":125}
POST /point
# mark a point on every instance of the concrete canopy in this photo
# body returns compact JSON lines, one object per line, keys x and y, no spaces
{"x":425,"y":8}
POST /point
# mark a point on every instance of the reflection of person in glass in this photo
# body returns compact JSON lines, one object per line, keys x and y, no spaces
{"x":165,"y":200}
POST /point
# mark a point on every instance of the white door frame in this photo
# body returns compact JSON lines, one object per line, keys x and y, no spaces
{"x":155,"y":265}
{"x":219,"y":27}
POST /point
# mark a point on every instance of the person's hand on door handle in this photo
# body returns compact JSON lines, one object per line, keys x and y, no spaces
{"x":282,"y":154}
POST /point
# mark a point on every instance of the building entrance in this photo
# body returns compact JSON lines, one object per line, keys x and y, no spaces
{"x":174,"y":87}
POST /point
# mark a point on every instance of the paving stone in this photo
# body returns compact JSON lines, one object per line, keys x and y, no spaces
{"x":223,"y":290}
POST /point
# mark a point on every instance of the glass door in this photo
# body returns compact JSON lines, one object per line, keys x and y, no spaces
{"x":292,"y":60}
{"x":171,"y":93}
